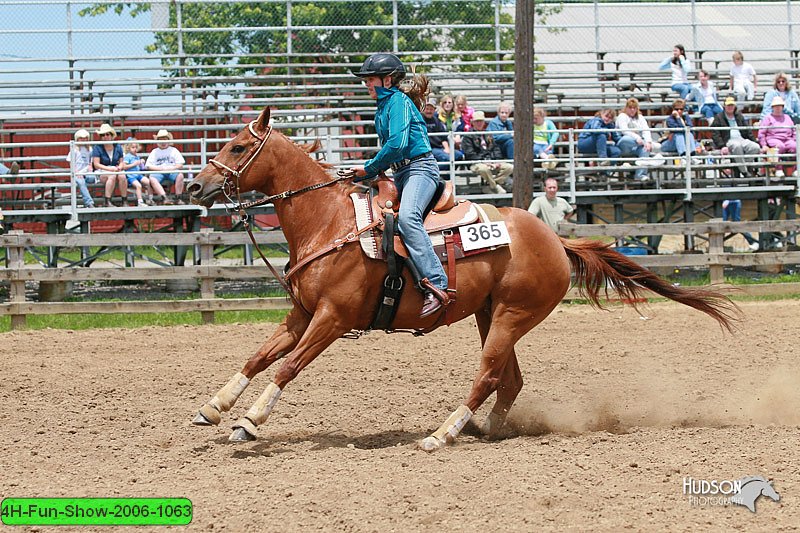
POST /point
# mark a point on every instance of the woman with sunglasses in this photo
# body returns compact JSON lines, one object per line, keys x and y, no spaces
{"x":791,"y":101}
{"x":678,"y":141}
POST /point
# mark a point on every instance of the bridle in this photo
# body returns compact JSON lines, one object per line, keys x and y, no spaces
{"x":230,"y":188}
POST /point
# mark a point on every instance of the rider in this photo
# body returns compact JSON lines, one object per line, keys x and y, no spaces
{"x":406,"y":149}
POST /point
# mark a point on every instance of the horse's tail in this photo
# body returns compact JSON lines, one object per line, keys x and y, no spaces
{"x":597,"y":267}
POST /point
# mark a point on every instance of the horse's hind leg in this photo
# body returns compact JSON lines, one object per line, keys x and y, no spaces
{"x":279,"y":344}
{"x":498,"y":352}
{"x":507,"y":391}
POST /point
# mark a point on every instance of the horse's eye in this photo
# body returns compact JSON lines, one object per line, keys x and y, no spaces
{"x":238,"y":149}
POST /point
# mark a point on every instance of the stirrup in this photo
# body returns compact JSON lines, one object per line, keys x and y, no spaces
{"x":440,"y":295}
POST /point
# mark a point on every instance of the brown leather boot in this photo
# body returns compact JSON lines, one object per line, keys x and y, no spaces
{"x":430,"y":305}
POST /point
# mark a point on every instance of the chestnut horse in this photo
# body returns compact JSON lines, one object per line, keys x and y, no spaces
{"x":509,"y":290}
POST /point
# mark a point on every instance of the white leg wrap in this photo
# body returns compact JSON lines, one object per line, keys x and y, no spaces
{"x":260,"y":410}
{"x":227,"y":395}
{"x":448,"y":432}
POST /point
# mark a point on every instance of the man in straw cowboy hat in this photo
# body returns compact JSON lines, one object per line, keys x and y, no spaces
{"x":166,"y":161}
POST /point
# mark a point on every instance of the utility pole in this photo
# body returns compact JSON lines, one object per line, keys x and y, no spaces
{"x":523,"y":105}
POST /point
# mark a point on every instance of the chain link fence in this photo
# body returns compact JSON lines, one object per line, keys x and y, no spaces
{"x":220,"y":37}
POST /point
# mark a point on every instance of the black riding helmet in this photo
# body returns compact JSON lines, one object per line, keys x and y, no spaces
{"x":382,"y":65}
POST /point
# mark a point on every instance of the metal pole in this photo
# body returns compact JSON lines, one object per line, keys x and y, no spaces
{"x":571,"y":137}
{"x":73,"y":201}
{"x":181,"y":59}
{"x":789,"y":24}
{"x":289,"y":35}
{"x":497,"y":47}
{"x":395,"y":36}
{"x":596,"y":27}
{"x":694,"y":26}
{"x":203,"y":151}
{"x":70,"y":62}
{"x":688,"y":156}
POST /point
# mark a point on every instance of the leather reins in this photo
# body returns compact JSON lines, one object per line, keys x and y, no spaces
{"x":230,"y":186}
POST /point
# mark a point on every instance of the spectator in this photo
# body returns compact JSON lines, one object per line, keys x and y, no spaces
{"x":704,"y":93}
{"x":80,"y":160}
{"x":596,"y":142}
{"x":680,"y":67}
{"x":107,"y":163}
{"x":790,"y":99}
{"x":545,"y":137}
{"x":13,"y":169}
{"x":777,"y":131}
{"x":735,"y":138}
{"x":636,"y":139}
{"x":447,"y":112}
{"x":732,"y":210}
{"x":440,"y":146}
{"x":501,"y":123}
{"x":481,"y":147}
{"x":744,"y":81}
{"x":464,"y":114}
{"x":133,"y":164}
{"x":677,"y":140}
{"x":550,"y":208}
{"x":165,"y":160}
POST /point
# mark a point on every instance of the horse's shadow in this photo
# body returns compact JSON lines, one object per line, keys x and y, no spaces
{"x":276,"y":444}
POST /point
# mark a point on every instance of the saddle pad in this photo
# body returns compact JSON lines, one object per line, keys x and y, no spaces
{"x":370,"y":240}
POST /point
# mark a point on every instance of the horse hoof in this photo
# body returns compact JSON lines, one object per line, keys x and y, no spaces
{"x":430,"y":444}
{"x":208,"y":415}
{"x":241,"y":435}
{"x":200,"y":420}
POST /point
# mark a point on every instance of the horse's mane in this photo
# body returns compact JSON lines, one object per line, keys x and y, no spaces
{"x":310,"y":148}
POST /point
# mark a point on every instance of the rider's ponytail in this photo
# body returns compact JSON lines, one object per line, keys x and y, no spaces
{"x":416,"y":88}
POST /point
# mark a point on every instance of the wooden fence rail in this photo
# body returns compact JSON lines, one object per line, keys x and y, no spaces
{"x":16,"y":272}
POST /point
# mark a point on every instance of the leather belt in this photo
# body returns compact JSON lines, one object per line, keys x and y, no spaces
{"x":405,"y":162}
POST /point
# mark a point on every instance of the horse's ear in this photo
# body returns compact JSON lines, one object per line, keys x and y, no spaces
{"x":262,"y":123}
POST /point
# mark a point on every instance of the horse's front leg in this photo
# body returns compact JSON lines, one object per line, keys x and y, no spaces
{"x":321,"y":333}
{"x":279,"y":344}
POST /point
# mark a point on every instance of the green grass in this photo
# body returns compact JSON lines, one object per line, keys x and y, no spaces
{"x":99,"y":321}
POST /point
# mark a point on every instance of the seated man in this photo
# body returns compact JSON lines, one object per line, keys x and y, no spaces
{"x":735,"y":139}
{"x":440,"y":146}
{"x":481,"y":147}
{"x":166,"y":161}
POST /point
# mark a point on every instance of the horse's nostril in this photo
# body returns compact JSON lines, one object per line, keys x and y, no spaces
{"x":194,"y":188}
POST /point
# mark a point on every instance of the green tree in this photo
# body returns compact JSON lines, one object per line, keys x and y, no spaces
{"x":255,"y":33}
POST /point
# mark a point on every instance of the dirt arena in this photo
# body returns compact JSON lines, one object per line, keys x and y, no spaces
{"x":616,"y":411}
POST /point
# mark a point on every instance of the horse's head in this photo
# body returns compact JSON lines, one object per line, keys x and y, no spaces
{"x":230,"y":168}
{"x":769,"y":491}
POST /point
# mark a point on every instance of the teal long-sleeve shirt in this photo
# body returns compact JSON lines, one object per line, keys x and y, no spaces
{"x":401,"y":131}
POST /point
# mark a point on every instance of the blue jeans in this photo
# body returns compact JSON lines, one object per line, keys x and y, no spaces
{"x":506,"y":144}
{"x":81,"y":182}
{"x":539,"y":149}
{"x":595,"y":143}
{"x":733,"y":212}
{"x":709,"y":110}
{"x":440,"y":155}
{"x":682,"y":89}
{"x":161,"y":178}
{"x":416,"y":183}
{"x":678,"y":144}
{"x":629,"y":147}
